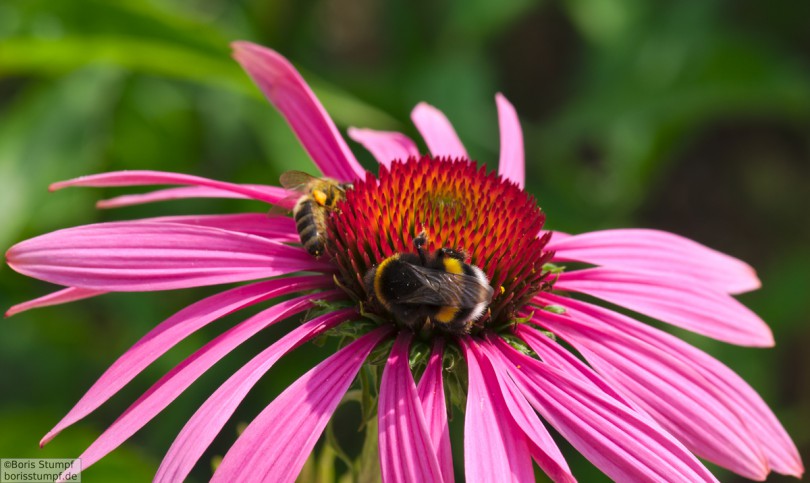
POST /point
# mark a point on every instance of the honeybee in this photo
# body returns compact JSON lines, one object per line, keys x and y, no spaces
{"x":320,"y":195}
{"x":437,"y":289}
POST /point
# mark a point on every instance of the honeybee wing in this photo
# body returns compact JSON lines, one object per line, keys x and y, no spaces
{"x":444,"y":288}
{"x":294,"y":181}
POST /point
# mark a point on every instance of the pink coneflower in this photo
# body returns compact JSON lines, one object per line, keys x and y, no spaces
{"x":642,"y":405}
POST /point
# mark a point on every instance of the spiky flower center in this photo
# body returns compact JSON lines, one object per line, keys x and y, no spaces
{"x":458,"y":205}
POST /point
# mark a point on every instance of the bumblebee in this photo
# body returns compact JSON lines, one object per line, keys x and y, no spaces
{"x":320,"y":195}
{"x":434,"y":290}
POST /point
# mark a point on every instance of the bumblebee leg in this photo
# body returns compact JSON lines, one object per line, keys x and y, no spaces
{"x":449,"y":252}
{"x":419,"y":243}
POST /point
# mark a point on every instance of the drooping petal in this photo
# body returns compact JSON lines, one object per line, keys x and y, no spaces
{"x":187,"y":192}
{"x":277,"y":443}
{"x":70,"y":294}
{"x":406,"y":450}
{"x":171,"y":385}
{"x":494,"y":447}
{"x":385,"y":146}
{"x":431,"y":394}
{"x":208,"y":420}
{"x":615,"y":439}
{"x":269,"y":194}
{"x":541,"y":445}
{"x":437,"y":132}
{"x":657,"y":251}
{"x":558,"y":357}
{"x":174,"y":329}
{"x":732,"y":391}
{"x":511,"y":164}
{"x":683,"y":402}
{"x":673,"y":299}
{"x":137,"y":256}
{"x":289,"y":93}
{"x":278,"y":228}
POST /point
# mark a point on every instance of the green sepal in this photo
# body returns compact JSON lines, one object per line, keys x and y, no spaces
{"x":519,"y":345}
{"x":554,"y":309}
{"x":368,"y":394}
{"x":455,"y":379}
{"x":379,"y":356}
{"x":513,"y":323}
{"x":553,"y":269}
{"x":418,"y":358}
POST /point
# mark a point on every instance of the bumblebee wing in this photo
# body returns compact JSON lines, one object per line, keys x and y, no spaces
{"x":443,"y":288}
{"x":295,"y":180}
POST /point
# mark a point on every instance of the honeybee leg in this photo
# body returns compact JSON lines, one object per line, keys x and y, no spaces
{"x":320,"y":197}
{"x":419,"y":243}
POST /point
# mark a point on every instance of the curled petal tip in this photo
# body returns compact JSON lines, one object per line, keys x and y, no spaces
{"x":764,"y":339}
{"x":47,"y":439}
{"x":241,"y":47}
{"x":754,"y":283}
{"x":62,"y":184}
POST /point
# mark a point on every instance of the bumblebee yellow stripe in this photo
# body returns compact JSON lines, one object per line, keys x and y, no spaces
{"x":446,"y":314}
{"x":378,"y":279}
{"x":453,"y":265}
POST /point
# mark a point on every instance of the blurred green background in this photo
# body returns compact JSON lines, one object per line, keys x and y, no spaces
{"x":690,"y":116}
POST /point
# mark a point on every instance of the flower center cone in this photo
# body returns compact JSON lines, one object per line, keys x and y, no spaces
{"x":458,"y":205}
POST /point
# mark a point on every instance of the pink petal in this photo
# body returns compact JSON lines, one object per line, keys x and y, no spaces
{"x":63,"y":296}
{"x":494,"y":447}
{"x":143,"y":256}
{"x":657,"y":251}
{"x":277,"y":443}
{"x":406,"y":451}
{"x":683,"y":402}
{"x":268,"y":194}
{"x":431,"y":394}
{"x":556,"y":356}
{"x":208,"y":420}
{"x":614,"y":438}
{"x":511,"y":164}
{"x":752,"y":413}
{"x":672,"y":299}
{"x":437,"y":132}
{"x":278,"y":228}
{"x":187,"y":192}
{"x":541,"y":445}
{"x":385,"y":146}
{"x":285,"y":89}
{"x":171,"y":385}
{"x":174,"y":329}
{"x":555,"y":235}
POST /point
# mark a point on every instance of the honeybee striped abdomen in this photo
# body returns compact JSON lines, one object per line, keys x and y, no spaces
{"x":320,"y":196}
